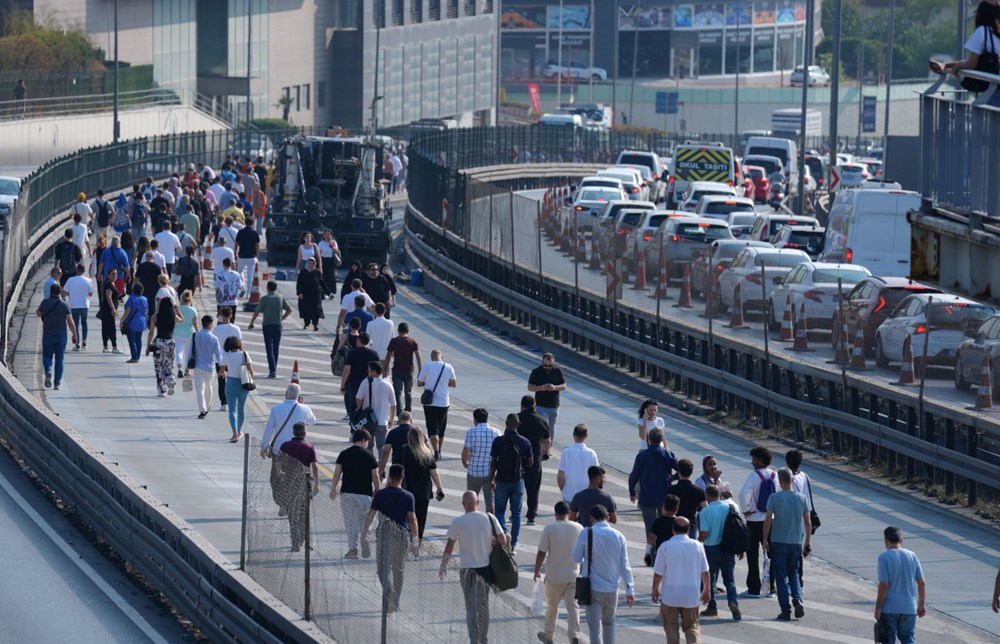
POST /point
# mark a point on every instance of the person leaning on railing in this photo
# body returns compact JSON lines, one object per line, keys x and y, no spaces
{"x":985,"y":40}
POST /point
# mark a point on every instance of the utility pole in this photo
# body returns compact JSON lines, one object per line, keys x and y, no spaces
{"x":559,"y":61}
{"x":861,"y":75}
{"x":888,"y":90}
{"x":116,"y":127}
{"x":835,"y":83}
{"x":249,"y":49}
{"x":379,"y":8}
{"x":614,"y":87}
{"x":736,"y":113}
{"x":806,"y":62}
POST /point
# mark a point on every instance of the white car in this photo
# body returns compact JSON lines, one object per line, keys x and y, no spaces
{"x":10,"y":188}
{"x":576,"y":70}
{"x":631,"y":181}
{"x":698,"y":189}
{"x":817,"y":77}
{"x":599,"y":182}
{"x":814,"y":285}
{"x":852,"y":175}
{"x":589,"y":203}
{"x":656,"y":189}
{"x":721,"y":206}
{"x":938,"y":319}
{"x":745,"y":270}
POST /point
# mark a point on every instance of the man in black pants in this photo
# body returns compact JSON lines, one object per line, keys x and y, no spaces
{"x":751,"y":502}
{"x":536,"y":430}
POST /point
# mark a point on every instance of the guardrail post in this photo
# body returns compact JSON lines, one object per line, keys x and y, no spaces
{"x":246,"y":500}
{"x":930,"y":430}
{"x":949,"y":443}
{"x":874,"y":415}
{"x":307,"y":549}
{"x":973,"y":451}
{"x":855,"y":409}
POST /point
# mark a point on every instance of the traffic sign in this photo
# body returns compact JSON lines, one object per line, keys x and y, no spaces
{"x":834,"y":178}
{"x":661,"y":102}
{"x":673,"y":100}
{"x":868,"y":114}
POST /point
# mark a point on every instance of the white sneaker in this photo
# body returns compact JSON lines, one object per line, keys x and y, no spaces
{"x":106,"y":350}
{"x":222,"y":407}
{"x":118,"y":351}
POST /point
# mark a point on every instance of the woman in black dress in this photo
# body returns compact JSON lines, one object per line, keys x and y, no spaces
{"x":309,"y":288}
{"x":355,"y":272}
{"x":108,"y":312}
{"x":419,"y":470}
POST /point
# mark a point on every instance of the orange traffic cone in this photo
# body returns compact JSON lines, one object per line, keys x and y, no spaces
{"x":255,"y":286}
{"x":801,"y":331}
{"x":206,"y":259}
{"x":581,"y":247}
{"x":858,"y":354}
{"x":736,"y":320}
{"x":640,"y":271}
{"x":295,"y":372}
{"x":684,"y":299}
{"x":711,"y":298}
{"x":984,"y":396}
{"x":786,"y":321}
{"x":595,"y":251}
{"x":906,"y":368}
{"x":662,"y":280}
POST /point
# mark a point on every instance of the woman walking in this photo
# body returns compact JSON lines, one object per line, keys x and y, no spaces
{"x":984,"y":40}
{"x":648,"y":420}
{"x":419,"y":470}
{"x":309,"y":288}
{"x":108,"y":312}
{"x":134,"y":321}
{"x":160,"y":342}
{"x":186,"y":328}
{"x":307,"y":249}
{"x":233,"y":360}
{"x":391,"y":301}
{"x":353,"y":273}
{"x":329,"y":252}
{"x":95,"y":259}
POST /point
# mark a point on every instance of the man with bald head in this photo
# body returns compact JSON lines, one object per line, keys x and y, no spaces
{"x":680,"y":580}
{"x":474,"y":530}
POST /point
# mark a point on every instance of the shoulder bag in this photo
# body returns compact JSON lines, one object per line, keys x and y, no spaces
{"x":246,"y":378}
{"x":813,"y":517}
{"x":582,"y":594}
{"x":427,"y":398}
{"x":365,"y":418}
{"x":193,"y":360}
{"x":988,"y":62}
{"x":501,"y":562}
{"x":277,"y":471}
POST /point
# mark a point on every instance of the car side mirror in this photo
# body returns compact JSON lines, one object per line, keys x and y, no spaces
{"x":971,"y":329}
{"x":779,"y":280}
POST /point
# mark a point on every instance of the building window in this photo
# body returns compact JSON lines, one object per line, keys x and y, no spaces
{"x":487,"y":6}
{"x":416,"y":11}
{"x":470,"y":7}
{"x":349,"y":14}
{"x":452,"y":8}
{"x":397,"y":13}
{"x":378,"y":13}
{"x":298,"y":97}
{"x":434,"y":9}
{"x":306,"y":91}
{"x":321,"y":94}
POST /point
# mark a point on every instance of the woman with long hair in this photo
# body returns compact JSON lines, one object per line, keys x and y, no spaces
{"x":419,"y":470}
{"x":329,"y":252}
{"x":160,"y":342}
{"x":648,"y":420}
{"x":307,"y":249}
{"x":233,"y":359}
{"x":141,"y":248}
{"x":95,"y":258}
{"x":353,"y":273}
{"x":985,"y":39}
{"x":134,"y":321}
{"x":185,"y":330}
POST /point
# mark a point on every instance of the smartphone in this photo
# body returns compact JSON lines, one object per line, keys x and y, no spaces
{"x":439,"y":496}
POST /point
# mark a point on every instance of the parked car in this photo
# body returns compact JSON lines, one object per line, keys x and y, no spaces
{"x":590,"y":201}
{"x":767,"y":225}
{"x":807,"y":238}
{"x":745,"y":269}
{"x":817,"y":77}
{"x":10,"y":188}
{"x":599,"y":182}
{"x":814,"y":285}
{"x":644,"y":231}
{"x":716,"y":258}
{"x":741,"y":223}
{"x":979,"y":342}
{"x":681,"y":238}
{"x":718,"y":206}
{"x":761,"y":184}
{"x":871,"y":301}
{"x":938,"y":320}
{"x":574,"y":69}
{"x":698,"y":189}
{"x":658,"y":165}
{"x":610,"y":227}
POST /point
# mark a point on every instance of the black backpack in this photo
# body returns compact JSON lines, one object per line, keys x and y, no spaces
{"x":735,"y":533}
{"x":69,"y":257}
{"x":103,"y":212}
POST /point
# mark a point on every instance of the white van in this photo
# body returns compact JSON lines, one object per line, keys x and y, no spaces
{"x":784,"y":149}
{"x":560,"y":120}
{"x":869,"y":227}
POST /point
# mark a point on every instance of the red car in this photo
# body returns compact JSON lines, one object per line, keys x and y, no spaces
{"x":761,"y":183}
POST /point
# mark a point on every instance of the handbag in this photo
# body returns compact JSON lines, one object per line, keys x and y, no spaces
{"x":365,"y":418}
{"x":813,"y":517}
{"x":988,"y":62}
{"x":246,"y":378}
{"x":193,"y":360}
{"x":582,"y":594}
{"x":427,"y":398}
{"x":879,"y":634}
{"x":501,"y":562}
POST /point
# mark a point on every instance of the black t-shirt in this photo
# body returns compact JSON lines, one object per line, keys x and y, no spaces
{"x":663,"y":528}
{"x":536,"y":430}
{"x":69,"y":256}
{"x":358,"y":359}
{"x":691,"y":497}
{"x":394,"y":503}
{"x":376,"y":287}
{"x":148,"y":274}
{"x":357,"y":464}
{"x":396,"y":438}
{"x":416,"y":477}
{"x":247,"y":239}
{"x":586,"y":499}
{"x":540,"y":376}
{"x":104,"y":312}
{"x":512,"y":452}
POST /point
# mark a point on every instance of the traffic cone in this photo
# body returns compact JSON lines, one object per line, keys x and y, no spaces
{"x":295,"y":372}
{"x":684,"y":299}
{"x":623,"y":273}
{"x":736,"y":320}
{"x":581,"y":247}
{"x":858,"y":354}
{"x":595,"y":251}
{"x":206,"y":260}
{"x":840,"y":354}
{"x":662,"y":280}
{"x":564,"y":238}
{"x":786,"y":322}
{"x":711,"y":298}
{"x":640,"y":271}
{"x":801,"y":331}
{"x":984,"y":396}
{"x":906,"y":368}
{"x":255,"y":287}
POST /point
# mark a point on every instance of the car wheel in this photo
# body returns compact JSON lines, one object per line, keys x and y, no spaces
{"x":596,"y":78}
{"x":880,"y":358}
{"x":960,"y":382}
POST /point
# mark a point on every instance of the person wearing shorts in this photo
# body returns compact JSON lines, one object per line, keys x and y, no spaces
{"x":437,"y":376}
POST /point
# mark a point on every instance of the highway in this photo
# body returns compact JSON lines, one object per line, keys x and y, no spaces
{"x":189,"y":465}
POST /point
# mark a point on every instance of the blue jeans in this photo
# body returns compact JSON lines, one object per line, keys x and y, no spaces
{"x":898,"y":625}
{"x":134,"y":343}
{"x":80,"y":320}
{"x":512,"y":492}
{"x":272,"y":341}
{"x":236,"y":396}
{"x":785,"y":557}
{"x":54,"y":345}
{"x":551,"y":415}
{"x":725,"y":562}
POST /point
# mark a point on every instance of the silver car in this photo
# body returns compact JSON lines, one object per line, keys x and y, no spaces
{"x":10,"y":188}
{"x":681,"y":239}
{"x":750,"y":268}
{"x":589,"y":203}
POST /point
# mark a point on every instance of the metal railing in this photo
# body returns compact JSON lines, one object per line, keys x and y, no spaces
{"x":87,"y":104}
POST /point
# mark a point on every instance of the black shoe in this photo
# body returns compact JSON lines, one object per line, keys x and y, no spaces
{"x":530,"y":521}
{"x":180,"y":373}
{"x":48,"y":380}
{"x":784,"y":616}
{"x":799,"y":610}
{"x":202,"y":415}
{"x":710,"y":612}
{"x":734,"y":608}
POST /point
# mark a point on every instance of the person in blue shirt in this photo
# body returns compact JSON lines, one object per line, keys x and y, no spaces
{"x":652,"y":470}
{"x":608,"y":567}
{"x":397,"y":526}
{"x":711,"y":522}
{"x":360,"y":313}
{"x":787,"y":513}
{"x":207,"y":352}
{"x":901,"y":589}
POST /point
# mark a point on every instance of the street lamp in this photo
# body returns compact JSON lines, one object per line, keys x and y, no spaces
{"x":116,"y":126}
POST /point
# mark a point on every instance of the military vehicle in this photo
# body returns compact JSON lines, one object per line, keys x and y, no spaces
{"x":329,"y":183}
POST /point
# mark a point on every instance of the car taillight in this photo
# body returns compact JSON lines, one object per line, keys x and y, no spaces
{"x":755,"y":278}
{"x":634,"y":190}
{"x":813,"y":295}
{"x":647,"y":235}
{"x":719,"y":268}
{"x":579,"y":208}
{"x":919,"y":328}
{"x":880,"y":305}
{"x":671,"y":180}
{"x":791,"y":245}
{"x":624,"y":231}
{"x":849,"y":255}
{"x":730,"y":183}
{"x":656,"y":176}
{"x":675,"y":238}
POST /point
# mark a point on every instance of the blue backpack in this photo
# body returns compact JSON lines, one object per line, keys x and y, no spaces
{"x":766,"y":490}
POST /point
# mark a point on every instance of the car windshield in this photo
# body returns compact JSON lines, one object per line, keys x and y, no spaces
{"x":776,"y":225}
{"x":894,"y":296}
{"x":851,"y":170}
{"x":770,"y":167}
{"x":635,"y":159}
{"x":742,"y":219}
{"x":698,"y":194}
{"x":8,"y":187}
{"x":599,"y":194}
{"x":811,"y":240}
{"x":779,"y":259}
{"x":756,"y":175}
{"x":631,"y":218}
{"x":726,"y":207}
{"x":703,"y":232}
{"x":954,"y":315}
{"x":656,"y":220}
{"x":830,"y":275}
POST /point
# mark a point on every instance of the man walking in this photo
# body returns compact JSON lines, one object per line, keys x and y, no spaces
{"x":510,"y":456}
{"x":546,"y":381}
{"x":802,"y":485}
{"x":275,"y":309}
{"x":359,"y":470}
{"x":787,"y":512}
{"x":758,"y":486}
{"x":474,"y":531}
{"x":222,"y":331}
{"x":536,"y":429}
{"x":605,"y":562}
{"x":67,"y":256}
{"x":169,"y":246}
{"x":692,"y":497}
{"x":402,"y":349}
{"x":380,"y":329}
{"x":477,"y":456}
{"x":680,"y":579}
{"x":392,"y":451}
{"x":574,"y":464}
{"x":56,"y":316}
{"x":397,"y":530}
{"x":901,"y":589}
{"x":355,"y":372}
{"x":651,"y":470}
{"x":592,"y":496}
{"x":207,"y":353}
{"x":246,"y":247}
{"x":441,"y":377}
{"x":293,"y":482}
{"x":79,"y":289}
{"x":712,"y":522}
{"x":555,"y":549}
{"x":228,"y":285}
{"x":376,"y":393}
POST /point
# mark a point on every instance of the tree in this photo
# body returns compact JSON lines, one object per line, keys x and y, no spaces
{"x":42,"y":45}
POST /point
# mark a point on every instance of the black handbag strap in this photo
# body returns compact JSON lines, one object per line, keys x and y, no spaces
{"x":590,"y":549}
{"x":440,"y":373}
{"x":812,"y":504}
{"x":270,"y":446}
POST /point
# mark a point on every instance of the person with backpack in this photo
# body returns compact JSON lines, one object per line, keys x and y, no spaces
{"x":510,"y":456}
{"x":721,"y":559}
{"x":113,"y":258}
{"x":758,"y":487}
{"x":787,"y":520}
{"x":68,"y":255}
{"x":103,"y":215}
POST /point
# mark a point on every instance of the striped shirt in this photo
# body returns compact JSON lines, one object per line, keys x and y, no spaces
{"x":479,"y":441}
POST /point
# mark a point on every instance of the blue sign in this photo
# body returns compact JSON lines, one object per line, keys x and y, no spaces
{"x":672,"y":101}
{"x":661,"y":102}
{"x":868,"y":114}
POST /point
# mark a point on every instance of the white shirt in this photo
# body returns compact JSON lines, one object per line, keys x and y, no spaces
{"x":680,"y":561}
{"x":217,"y":189}
{"x":229,"y":232}
{"x":85,"y":211}
{"x":573,"y":463}
{"x":233,"y":361}
{"x":748,"y":494}
{"x":159,"y":259}
{"x":976,"y":44}
{"x":228,"y":284}
{"x":429,"y":376}
{"x":474,"y":533}
{"x":347,"y":303}
{"x":284,"y":410}
{"x":169,"y":293}
{"x":224,"y":331}
{"x":169,"y":245}
{"x":328,"y":249}
{"x":80,"y":236}
{"x":219,"y":253}
{"x":383,"y":397}
{"x":557,"y":542}
{"x":380,"y":330}
{"x":79,"y":288}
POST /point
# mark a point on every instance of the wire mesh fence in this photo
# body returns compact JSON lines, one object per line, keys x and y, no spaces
{"x":355,"y":572}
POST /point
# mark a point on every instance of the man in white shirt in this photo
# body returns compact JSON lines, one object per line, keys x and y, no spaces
{"x":169,"y":246}
{"x":217,"y":189}
{"x":229,"y":232}
{"x":228,"y":284}
{"x":80,"y":237}
{"x":382,"y":401}
{"x":347,"y":302}
{"x":158,"y":258}
{"x":278,"y":430}
{"x":680,"y":580}
{"x":555,"y":548}
{"x":79,"y":290}
{"x":607,"y":568}
{"x":752,"y":504}
{"x":220,"y":252}
{"x":223,"y":330}
{"x":380,"y":330}
{"x":474,"y":532}
{"x":439,"y":377}
{"x":574,"y":463}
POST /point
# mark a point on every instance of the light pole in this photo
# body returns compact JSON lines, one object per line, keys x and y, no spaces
{"x":861,"y":75}
{"x":116,"y":127}
{"x":559,"y":61}
{"x":249,"y":48}
{"x":888,"y":88}
{"x":835,"y":84}
{"x":614,"y":87}
{"x":806,"y":61}
{"x":736,"y":114}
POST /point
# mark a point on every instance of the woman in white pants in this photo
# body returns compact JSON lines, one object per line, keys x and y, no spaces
{"x":184,"y":332}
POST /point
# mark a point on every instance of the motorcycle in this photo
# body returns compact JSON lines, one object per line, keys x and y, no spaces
{"x":776,"y":195}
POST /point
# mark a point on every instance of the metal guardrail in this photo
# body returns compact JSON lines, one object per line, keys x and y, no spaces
{"x":88,"y":104}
